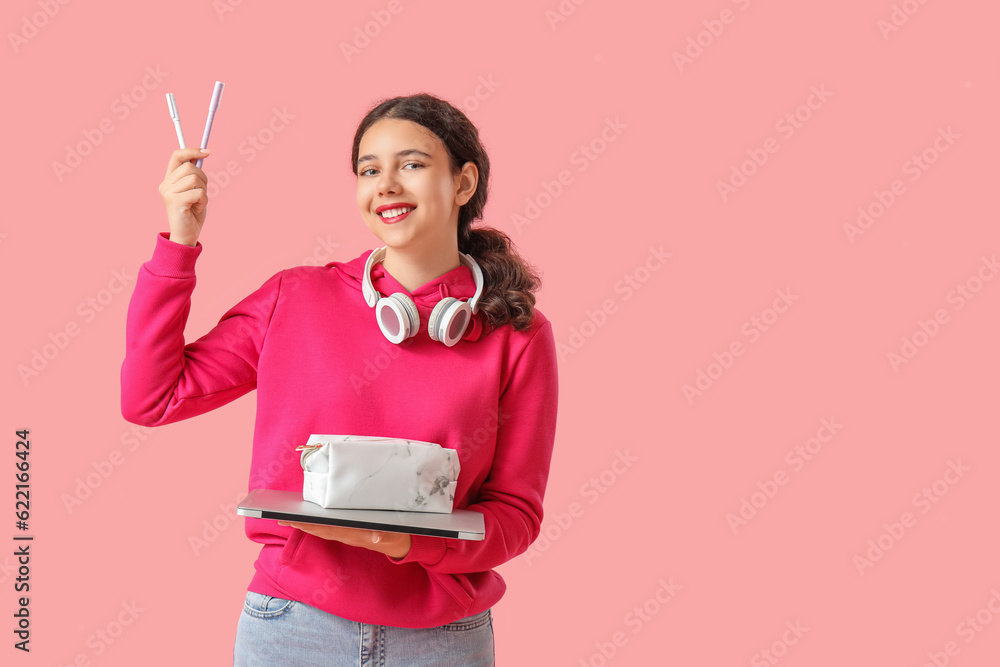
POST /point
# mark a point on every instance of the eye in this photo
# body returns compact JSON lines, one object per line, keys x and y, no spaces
{"x":365,"y":171}
{"x":412,"y":164}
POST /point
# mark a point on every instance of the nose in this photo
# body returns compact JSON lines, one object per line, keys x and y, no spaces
{"x":387,"y":183}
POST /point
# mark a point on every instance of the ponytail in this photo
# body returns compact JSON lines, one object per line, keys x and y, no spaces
{"x":508,"y":281}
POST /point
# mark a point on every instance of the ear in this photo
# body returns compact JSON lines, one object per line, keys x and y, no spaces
{"x":466,"y":182}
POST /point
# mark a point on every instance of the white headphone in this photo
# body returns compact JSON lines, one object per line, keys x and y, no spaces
{"x":397,"y":314}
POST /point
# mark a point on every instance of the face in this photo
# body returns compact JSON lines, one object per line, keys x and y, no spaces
{"x":402,"y":164}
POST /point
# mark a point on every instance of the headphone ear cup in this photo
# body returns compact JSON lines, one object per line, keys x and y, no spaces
{"x":449,"y":320}
{"x":397,"y":317}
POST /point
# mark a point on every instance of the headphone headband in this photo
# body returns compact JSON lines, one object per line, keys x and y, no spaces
{"x":377,"y":255}
{"x":367,"y":289}
{"x":477,"y":276}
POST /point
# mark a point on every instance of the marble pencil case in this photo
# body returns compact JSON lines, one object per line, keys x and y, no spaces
{"x":367,"y":472}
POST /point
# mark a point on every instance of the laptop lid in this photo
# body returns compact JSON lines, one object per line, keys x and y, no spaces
{"x":289,"y":506}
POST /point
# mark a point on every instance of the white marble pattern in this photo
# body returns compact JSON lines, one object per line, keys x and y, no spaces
{"x":364,"y":472}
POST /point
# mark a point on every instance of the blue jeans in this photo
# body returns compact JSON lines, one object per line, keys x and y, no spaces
{"x":276,"y":632}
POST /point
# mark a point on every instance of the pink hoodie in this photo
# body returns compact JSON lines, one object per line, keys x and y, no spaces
{"x":309,"y":344}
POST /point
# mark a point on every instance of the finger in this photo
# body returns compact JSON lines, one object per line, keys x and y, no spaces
{"x":184,"y":171}
{"x":188,"y":198}
{"x":186,"y":181}
{"x":182,"y":155}
{"x":376,"y":537}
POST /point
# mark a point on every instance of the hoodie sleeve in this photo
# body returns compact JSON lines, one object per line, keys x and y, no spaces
{"x":162,"y":379}
{"x":510,"y":498}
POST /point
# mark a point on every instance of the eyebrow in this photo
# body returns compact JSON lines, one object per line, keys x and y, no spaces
{"x":409,"y":151}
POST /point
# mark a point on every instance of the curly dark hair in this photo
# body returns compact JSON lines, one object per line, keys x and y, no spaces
{"x":509,"y":282}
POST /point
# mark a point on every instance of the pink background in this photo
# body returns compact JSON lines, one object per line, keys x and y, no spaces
{"x":596,"y":588}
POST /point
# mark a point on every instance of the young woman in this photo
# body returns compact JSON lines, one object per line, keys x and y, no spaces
{"x":308,"y":340}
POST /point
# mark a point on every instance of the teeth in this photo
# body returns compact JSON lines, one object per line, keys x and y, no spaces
{"x":393,"y":212}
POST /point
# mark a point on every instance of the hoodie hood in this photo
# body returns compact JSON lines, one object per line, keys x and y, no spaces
{"x":457,"y":283}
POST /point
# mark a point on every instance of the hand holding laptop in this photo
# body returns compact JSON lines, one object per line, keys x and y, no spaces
{"x":392,"y":544}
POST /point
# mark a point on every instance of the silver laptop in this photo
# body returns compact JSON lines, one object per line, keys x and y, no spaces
{"x":289,"y":506}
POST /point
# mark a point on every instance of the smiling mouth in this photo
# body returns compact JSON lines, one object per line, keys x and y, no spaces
{"x":395,"y":212}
